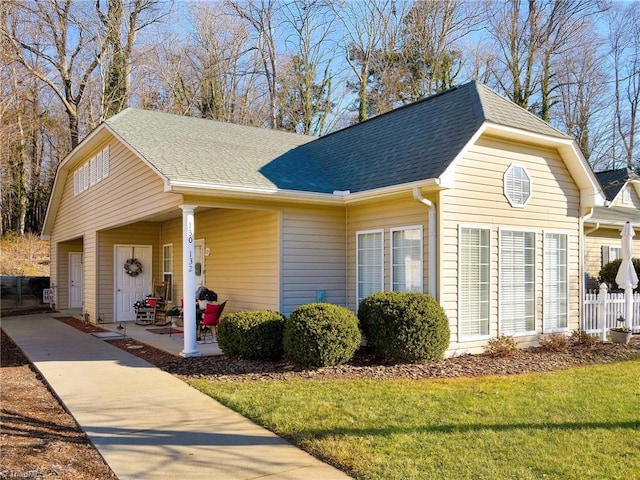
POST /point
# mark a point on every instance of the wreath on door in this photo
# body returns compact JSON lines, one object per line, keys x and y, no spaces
{"x":133,"y":267}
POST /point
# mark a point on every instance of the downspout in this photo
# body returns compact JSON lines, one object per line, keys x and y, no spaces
{"x":432,"y":240}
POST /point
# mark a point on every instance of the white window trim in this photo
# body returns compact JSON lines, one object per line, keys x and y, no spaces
{"x":626,"y":195}
{"x":402,"y":229}
{"x":527,"y":333}
{"x":364,"y":232}
{"x":164,"y":272}
{"x":567,"y":293}
{"x":473,"y":338}
{"x":87,"y":174}
{"x":504,"y":185}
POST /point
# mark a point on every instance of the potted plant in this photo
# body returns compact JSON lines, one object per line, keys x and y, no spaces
{"x":620,"y":334}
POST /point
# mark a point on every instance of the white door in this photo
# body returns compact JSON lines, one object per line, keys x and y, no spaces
{"x":198,"y":253}
{"x":131,"y":288}
{"x":75,"y":280}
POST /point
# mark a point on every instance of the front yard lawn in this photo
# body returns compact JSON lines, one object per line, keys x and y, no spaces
{"x":582,"y":423}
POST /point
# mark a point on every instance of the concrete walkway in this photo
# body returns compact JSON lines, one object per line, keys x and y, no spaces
{"x":146,"y":423}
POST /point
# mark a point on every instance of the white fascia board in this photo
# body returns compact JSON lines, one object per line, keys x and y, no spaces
{"x":231,"y":191}
{"x":193,"y":188}
{"x":433,"y":183}
{"x":590,"y":192}
{"x":67,"y":163}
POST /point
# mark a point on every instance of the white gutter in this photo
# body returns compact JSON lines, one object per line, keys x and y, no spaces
{"x":432,"y":239}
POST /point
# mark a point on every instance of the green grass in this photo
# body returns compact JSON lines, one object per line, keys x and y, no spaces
{"x":582,"y":423}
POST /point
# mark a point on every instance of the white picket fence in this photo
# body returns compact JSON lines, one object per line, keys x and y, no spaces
{"x":611,"y":306}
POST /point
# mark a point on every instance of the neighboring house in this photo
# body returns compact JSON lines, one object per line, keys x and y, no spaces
{"x":604,"y":224}
{"x":463,"y":195}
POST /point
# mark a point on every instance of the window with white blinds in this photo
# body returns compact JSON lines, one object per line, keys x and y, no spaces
{"x":91,"y":172}
{"x":517,"y":186}
{"x":406,"y":263}
{"x":474,"y":281}
{"x":517,"y":282}
{"x":556,"y":288}
{"x":370,"y":262}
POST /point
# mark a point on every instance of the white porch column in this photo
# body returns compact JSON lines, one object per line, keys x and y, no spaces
{"x":189,"y":283}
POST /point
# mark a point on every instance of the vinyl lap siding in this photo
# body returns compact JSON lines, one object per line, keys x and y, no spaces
{"x":60,"y":274}
{"x":132,"y":192}
{"x":635,"y":200}
{"x":478,"y":200}
{"x":242,"y":267}
{"x":313,"y":256}
{"x":385,"y":215}
{"x":595,"y":241}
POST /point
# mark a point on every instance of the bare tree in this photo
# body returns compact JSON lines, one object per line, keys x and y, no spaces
{"x":582,"y":91}
{"x":122,"y":22}
{"x":305,"y":86}
{"x":624,"y":40}
{"x":261,"y":16}
{"x":58,"y":43}
{"x":364,"y":25}
{"x":431,"y":45}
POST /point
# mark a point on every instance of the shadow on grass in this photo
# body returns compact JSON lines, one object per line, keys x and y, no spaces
{"x":464,"y":428}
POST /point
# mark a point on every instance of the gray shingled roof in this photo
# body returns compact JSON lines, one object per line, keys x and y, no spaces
{"x":204,"y":151}
{"x":412,"y":143}
{"x":612,"y":181}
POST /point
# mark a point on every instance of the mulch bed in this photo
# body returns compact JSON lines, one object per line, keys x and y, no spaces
{"x":39,"y":439}
{"x":364,"y":366}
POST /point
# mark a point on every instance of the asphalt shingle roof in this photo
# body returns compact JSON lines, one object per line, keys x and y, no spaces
{"x":412,"y":143}
{"x":204,"y":151}
{"x":612,"y":181}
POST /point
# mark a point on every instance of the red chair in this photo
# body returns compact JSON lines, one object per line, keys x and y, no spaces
{"x":211,"y":319}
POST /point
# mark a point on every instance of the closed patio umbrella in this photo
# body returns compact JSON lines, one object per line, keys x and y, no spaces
{"x":626,"y":277}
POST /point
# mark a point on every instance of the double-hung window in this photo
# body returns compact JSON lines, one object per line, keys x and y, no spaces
{"x":167,"y":268}
{"x":556,"y":288}
{"x":370,"y":263}
{"x":474,"y":281}
{"x":406,"y":263}
{"x":517,"y":282}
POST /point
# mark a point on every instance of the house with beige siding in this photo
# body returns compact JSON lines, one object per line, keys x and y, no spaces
{"x":603,"y":224}
{"x":462,"y":195}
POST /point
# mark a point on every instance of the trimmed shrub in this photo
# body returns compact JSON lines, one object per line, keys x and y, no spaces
{"x":609,"y":271}
{"x":321,"y":334}
{"x":252,"y":334}
{"x":404,"y":327}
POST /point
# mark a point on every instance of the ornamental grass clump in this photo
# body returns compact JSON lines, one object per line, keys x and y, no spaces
{"x":321,"y":334}
{"x":252,"y":334}
{"x":404,"y":327}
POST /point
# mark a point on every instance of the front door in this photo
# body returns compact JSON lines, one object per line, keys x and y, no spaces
{"x":75,"y":280}
{"x":132,"y":284}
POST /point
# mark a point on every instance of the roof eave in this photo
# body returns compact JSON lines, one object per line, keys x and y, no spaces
{"x":591,"y":194}
{"x":67,"y":163}
{"x":295,"y":196}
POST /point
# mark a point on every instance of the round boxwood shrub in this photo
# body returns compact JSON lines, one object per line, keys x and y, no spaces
{"x":609,"y":271}
{"x":252,"y":334}
{"x":321,"y":334}
{"x":404,"y":327}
